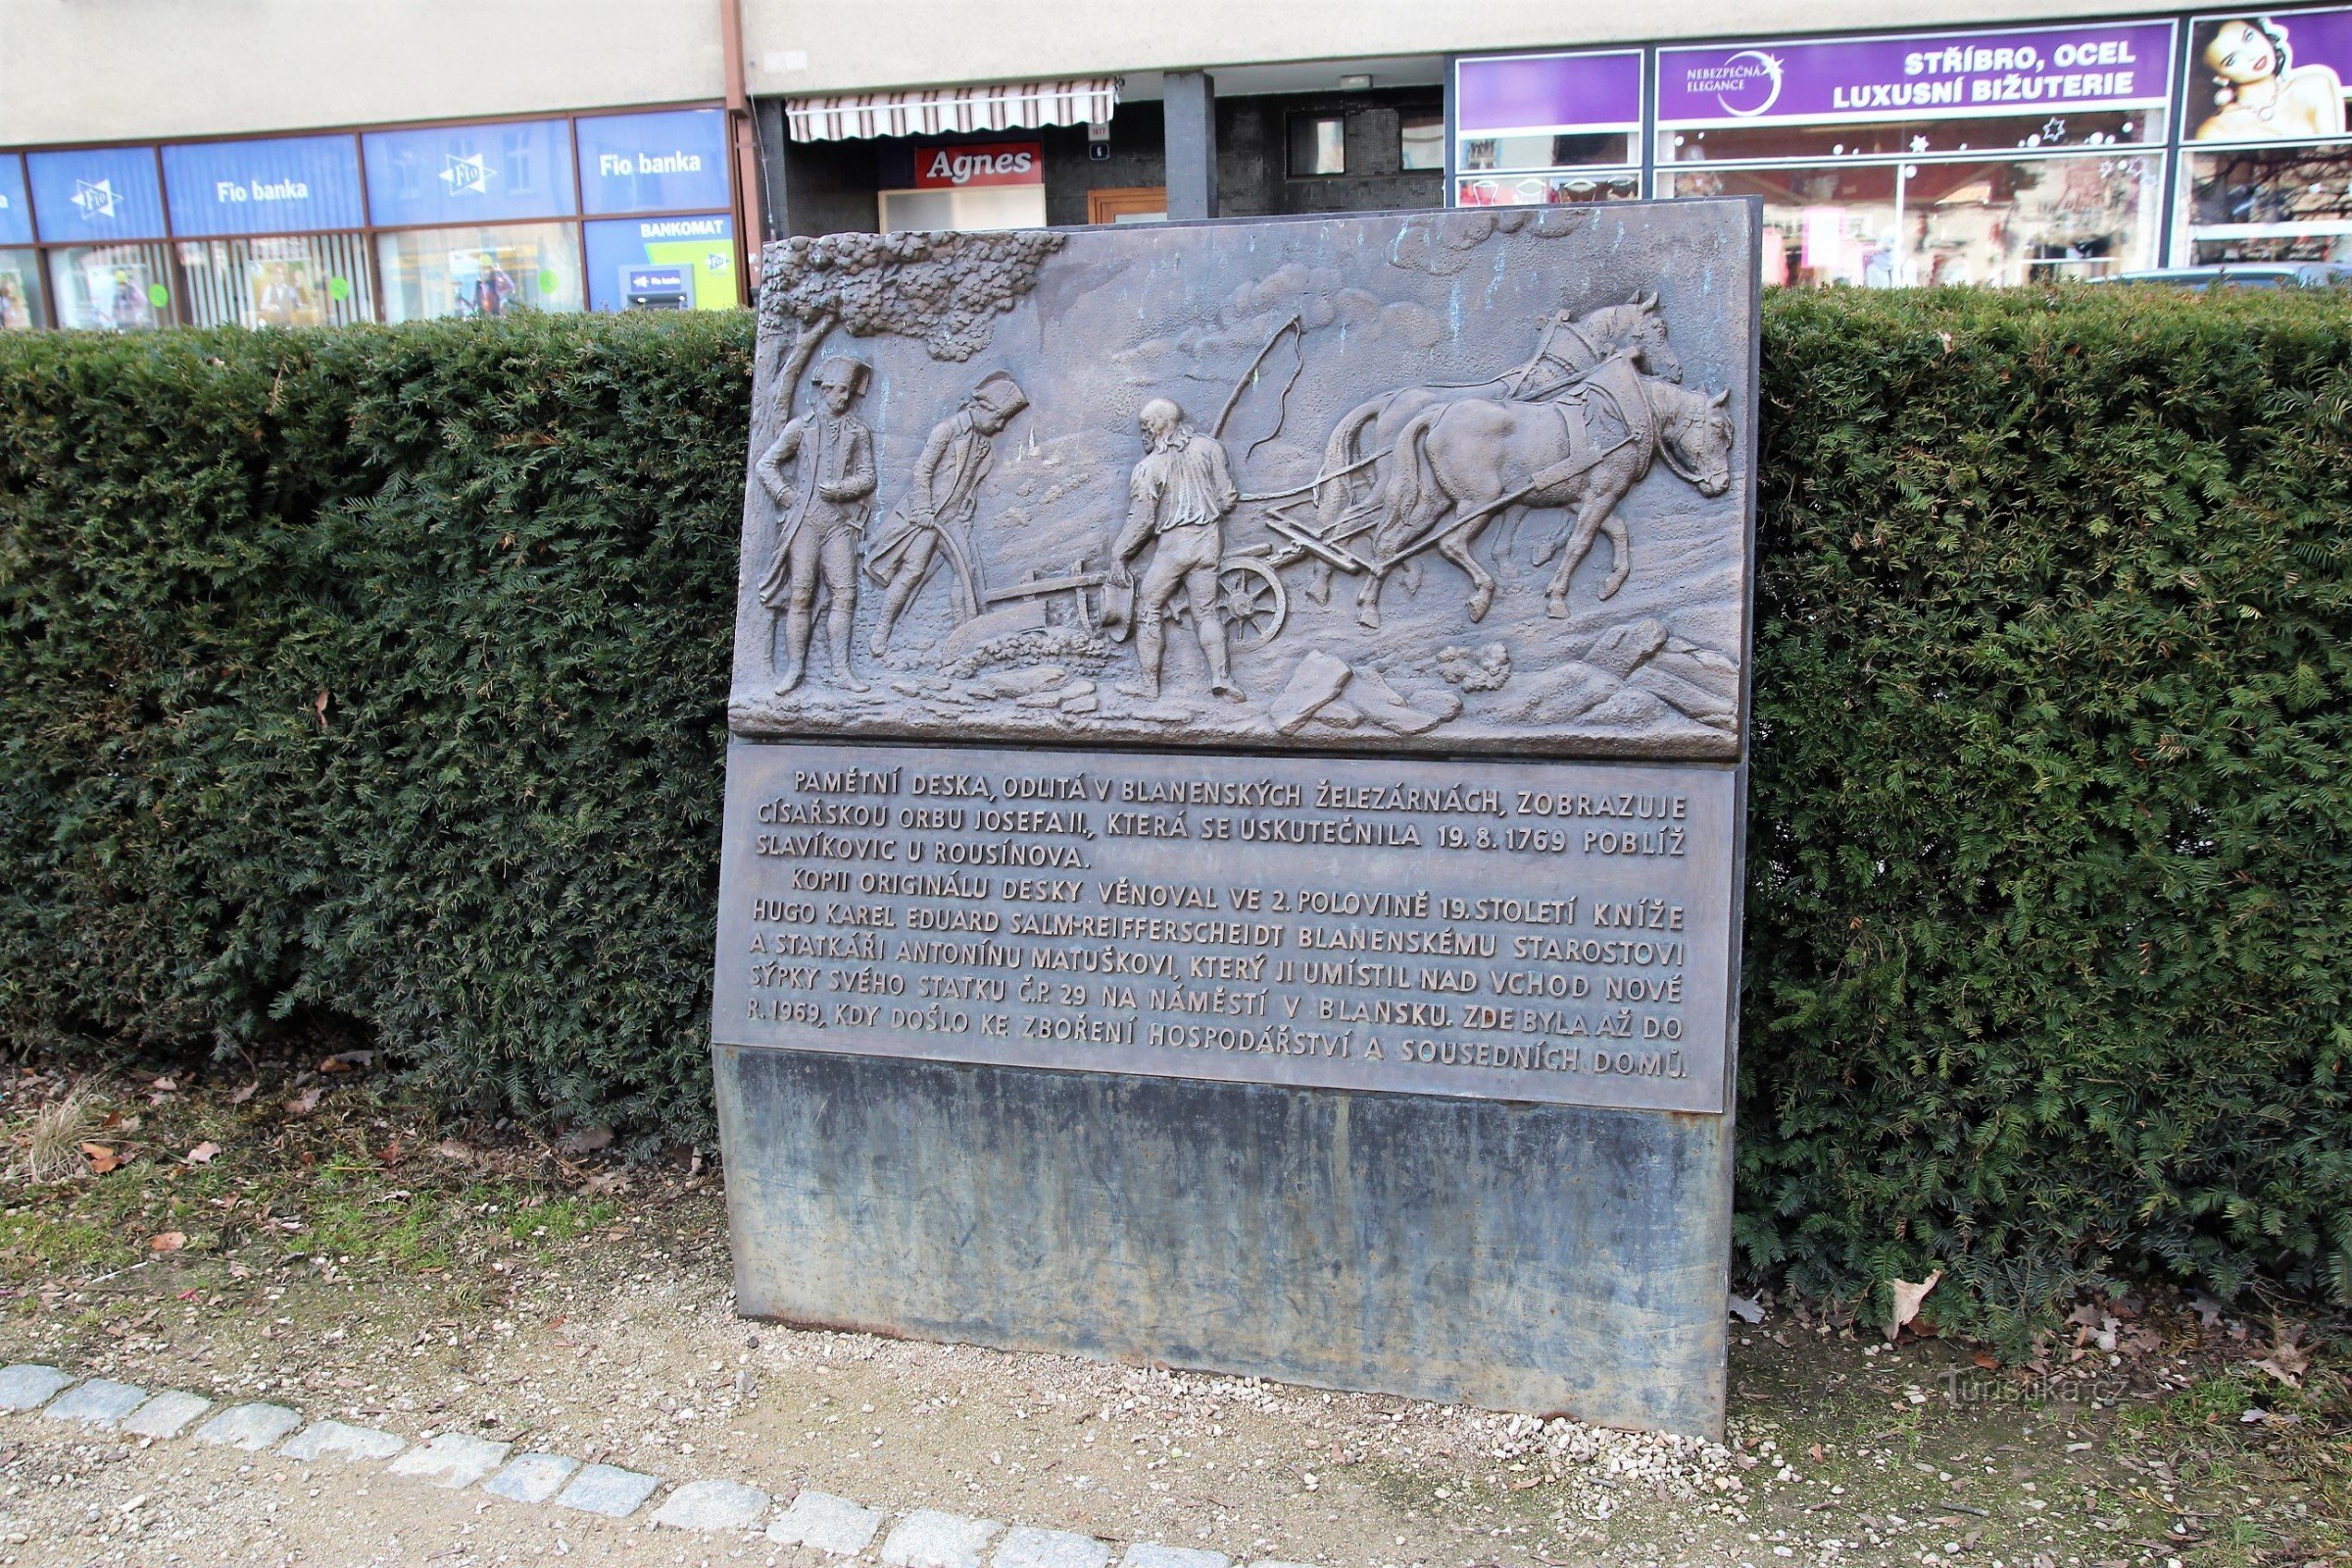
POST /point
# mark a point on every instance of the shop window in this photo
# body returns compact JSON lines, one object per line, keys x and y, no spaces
{"x":1545,"y":191}
{"x":23,"y":300}
{"x":1991,"y":135}
{"x":1901,"y":223}
{"x":2269,"y":204}
{"x":111,"y":288}
{"x":1318,"y":145}
{"x":975,"y":208}
{"x":493,"y":271}
{"x":293,"y":281}
{"x":1420,"y":141}
{"x":1540,"y":150}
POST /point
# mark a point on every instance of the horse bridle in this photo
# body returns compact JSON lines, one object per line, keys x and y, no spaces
{"x":1666,"y":456}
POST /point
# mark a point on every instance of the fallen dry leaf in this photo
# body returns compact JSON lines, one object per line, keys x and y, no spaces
{"x":202,"y":1154}
{"x":2271,"y":1365}
{"x":240,"y":1096}
{"x":1987,"y":1361}
{"x":102,"y":1158}
{"x":347,"y":1061}
{"x":167,"y":1242}
{"x":1907,"y":1298}
{"x":304,"y":1103}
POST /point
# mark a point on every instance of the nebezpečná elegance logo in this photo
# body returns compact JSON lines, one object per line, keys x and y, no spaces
{"x":1744,"y":84}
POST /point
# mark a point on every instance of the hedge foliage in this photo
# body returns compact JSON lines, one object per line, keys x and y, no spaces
{"x":378,"y":674}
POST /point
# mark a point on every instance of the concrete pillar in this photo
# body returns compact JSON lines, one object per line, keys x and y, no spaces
{"x":1190,"y":98}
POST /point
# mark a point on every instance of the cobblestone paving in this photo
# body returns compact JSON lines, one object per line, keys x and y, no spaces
{"x":832,"y":1528}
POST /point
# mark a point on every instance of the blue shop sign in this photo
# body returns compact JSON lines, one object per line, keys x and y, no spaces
{"x":685,"y":264}
{"x":15,"y":204}
{"x":669,"y":161}
{"x":288,"y":185}
{"x":465,"y":174}
{"x":96,"y":195}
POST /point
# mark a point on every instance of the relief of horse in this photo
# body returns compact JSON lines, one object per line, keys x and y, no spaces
{"x":1572,"y":345}
{"x":1461,"y":464}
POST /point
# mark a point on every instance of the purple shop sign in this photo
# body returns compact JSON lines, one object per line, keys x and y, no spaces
{"x":1503,"y":96}
{"x":2014,"y":70}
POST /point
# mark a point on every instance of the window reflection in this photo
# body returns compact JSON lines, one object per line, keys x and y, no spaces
{"x":1904,"y":224}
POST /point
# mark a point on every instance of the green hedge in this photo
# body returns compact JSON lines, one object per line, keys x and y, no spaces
{"x":2051,"y":886}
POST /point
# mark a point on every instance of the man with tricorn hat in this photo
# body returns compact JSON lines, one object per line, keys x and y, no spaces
{"x":820,"y":513}
{"x":940,"y":499}
{"x":1178,"y":496}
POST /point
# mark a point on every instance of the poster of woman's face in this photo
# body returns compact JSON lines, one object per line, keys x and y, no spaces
{"x":2262,"y":77}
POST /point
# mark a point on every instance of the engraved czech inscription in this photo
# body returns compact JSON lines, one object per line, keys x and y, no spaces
{"x":1538,"y":931}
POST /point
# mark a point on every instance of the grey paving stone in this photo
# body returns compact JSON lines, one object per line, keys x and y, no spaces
{"x":828,"y":1523}
{"x":323,"y":1438}
{"x":608,"y":1490}
{"x":531,"y":1477}
{"x":930,"y":1539}
{"x":99,"y":1403}
{"x":249,"y":1426}
{"x":28,"y":1386}
{"x":713,"y":1506}
{"x":453,"y":1459}
{"x":1144,"y":1554}
{"x":1027,"y":1547}
{"x":166,"y":1415}
{"x":1269,"y":1562}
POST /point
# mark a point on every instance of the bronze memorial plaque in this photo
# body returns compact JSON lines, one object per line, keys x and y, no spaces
{"x":1217,"y":701}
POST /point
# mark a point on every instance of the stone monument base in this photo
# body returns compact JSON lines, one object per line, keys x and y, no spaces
{"x":1545,"y":1258}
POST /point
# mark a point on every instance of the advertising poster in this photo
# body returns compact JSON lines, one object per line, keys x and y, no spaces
{"x":17,"y":293}
{"x":116,"y":293}
{"x":2268,"y":76}
{"x":285,"y":291}
{"x":662,"y":264}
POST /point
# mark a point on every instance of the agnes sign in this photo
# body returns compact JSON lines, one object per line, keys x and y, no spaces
{"x":998,"y":163}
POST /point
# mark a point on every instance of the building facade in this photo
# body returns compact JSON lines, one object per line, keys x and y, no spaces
{"x":276,"y":164}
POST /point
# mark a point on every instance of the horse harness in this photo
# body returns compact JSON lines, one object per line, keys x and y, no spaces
{"x":1618,"y":385}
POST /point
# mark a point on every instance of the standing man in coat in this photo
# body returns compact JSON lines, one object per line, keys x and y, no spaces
{"x":942,"y":495}
{"x":1177,"y":500}
{"x":820,"y":515}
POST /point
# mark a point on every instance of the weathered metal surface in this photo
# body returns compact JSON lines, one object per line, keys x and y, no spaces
{"x":1545,"y":1258}
{"x":1277,"y":548}
{"x":1510,"y":930}
{"x":1439,"y":482}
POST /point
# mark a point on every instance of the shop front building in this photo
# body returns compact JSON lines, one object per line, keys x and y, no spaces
{"x":1330,"y":137}
{"x":605,"y":212}
{"x":2002,"y":155}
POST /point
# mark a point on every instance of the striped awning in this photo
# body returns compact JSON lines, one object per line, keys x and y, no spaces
{"x":936,"y":111}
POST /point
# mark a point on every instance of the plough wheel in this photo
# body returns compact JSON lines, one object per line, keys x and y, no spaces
{"x":1253,"y":602}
